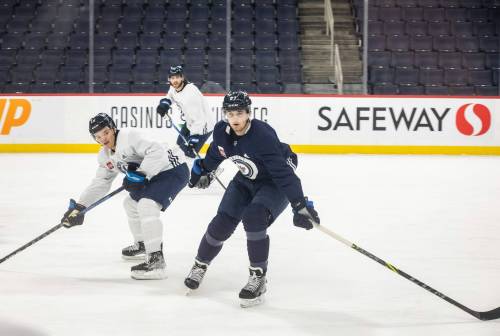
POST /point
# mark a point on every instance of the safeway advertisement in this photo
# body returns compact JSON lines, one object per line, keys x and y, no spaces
{"x":300,"y":120}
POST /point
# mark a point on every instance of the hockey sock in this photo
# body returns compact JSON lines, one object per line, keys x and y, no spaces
{"x":219,"y":230}
{"x":152,"y":228}
{"x":134,"y":221}
{"x":256,"y":220}
{"x":258,"y":250}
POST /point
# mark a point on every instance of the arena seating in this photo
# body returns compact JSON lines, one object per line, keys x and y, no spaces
{"x":44,"y":44}
{"x":432,"y":46}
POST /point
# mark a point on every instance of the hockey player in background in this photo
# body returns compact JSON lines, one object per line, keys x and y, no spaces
{"x":154,"y":175}
{"x":260,"y":191}
{"x":194,"y":107}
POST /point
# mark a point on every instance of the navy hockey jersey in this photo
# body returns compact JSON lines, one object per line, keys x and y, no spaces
{"x":258,"y":154}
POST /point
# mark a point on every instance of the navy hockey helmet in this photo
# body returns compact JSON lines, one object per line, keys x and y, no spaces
{"x":99,"y":122}
{"x":176,"y":70}
{"x":236,"y":100}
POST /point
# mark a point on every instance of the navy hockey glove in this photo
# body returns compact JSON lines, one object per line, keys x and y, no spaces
{"x":304,"y":215}
{"x":72,"y":216}
{"x":163,"y":106}
{"x":200,"y":178}
{"x":193,"y":141}
{"x":134,"y":181}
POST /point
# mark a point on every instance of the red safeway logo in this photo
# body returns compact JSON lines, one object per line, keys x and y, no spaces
{"x":473,"y":119}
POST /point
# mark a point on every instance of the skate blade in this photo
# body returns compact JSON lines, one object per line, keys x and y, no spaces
{"x":134,"y":258}
{"x":247,"y":303}
{"x":152,"y":275}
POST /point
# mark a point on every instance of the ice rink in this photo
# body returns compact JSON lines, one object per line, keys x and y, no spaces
{"x":435,"y":217}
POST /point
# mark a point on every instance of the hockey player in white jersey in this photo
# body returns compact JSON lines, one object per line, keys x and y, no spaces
{"x":194,"y":107}
{"x":154,"y":174}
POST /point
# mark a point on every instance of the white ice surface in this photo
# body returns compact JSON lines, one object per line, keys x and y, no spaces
{"x":436,"y":218}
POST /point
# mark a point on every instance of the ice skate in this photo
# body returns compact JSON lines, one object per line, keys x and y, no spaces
{"x":134,"y":252}
{"x":152,"y":269}
{"x":253,"y":292}
{"x":195,"y":276}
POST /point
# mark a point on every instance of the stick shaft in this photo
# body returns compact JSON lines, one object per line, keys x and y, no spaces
{"x":490,"y":315}
{"x":195,"y":152}
{"x":58,"y":226}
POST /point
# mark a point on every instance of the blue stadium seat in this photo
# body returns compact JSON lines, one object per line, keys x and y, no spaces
{"x":149,"y":42}
{"x":71,"y":74}
{"x":266,"y":58}
{"x":194,"y":57}
{"x":467,"y":44}
{"x":196,"y":41}
{"x":146,"y":57}
{"x":123,"y":57}
{"x":385,"y":89}
{"x":403,"y":59}
{"x":78,"y":42}
{"x":267,"y":75}
{"x":406,"y":76}
{"x":480,"y":78}
{"x":455,"y":77}
{"x":102,"y":57}
{"x":76,"y":58}
{"x":431,"y":77}
{"x":117,"y":88}
{"x":436,"y":90}
{"x":426,"y":59}
{"x":170,"y":57}
{"x":142,"y":88}
{"x":144,"y":73}
{"x":119,"y":74}
{"x":474,"y":61}
{"x":269,"y":87}
{"x":46,"y":74}
{"x":411,"y":90}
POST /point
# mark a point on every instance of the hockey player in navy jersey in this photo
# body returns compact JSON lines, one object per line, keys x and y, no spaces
{"x":194,"y":107}
{"x":154,"y":174}
{"x":260,"y":191}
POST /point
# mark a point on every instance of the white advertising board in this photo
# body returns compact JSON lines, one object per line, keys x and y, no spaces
{"x":313,"y":123}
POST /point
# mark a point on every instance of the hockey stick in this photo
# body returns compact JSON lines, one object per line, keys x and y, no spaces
{"x":58,"y":226}
{"x":484,"y":316}
{"x":215,"y":172}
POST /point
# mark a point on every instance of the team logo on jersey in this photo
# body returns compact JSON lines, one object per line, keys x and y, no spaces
{"x":110,"y":166}
{"x":247,"y":167}
{"x":222,"y":152}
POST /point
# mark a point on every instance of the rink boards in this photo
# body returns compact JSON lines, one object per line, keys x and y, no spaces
{"x":311,"y":123}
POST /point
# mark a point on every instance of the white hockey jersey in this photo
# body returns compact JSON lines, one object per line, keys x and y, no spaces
{"x":194,"y":107}
{"x":131,"y":147}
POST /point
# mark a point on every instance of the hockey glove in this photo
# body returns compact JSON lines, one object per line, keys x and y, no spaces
{"x":72,"y":216}
{"x":200,"y":178}
{"x":134,"y":181}
{"x":304,"y":215}
{"x":163,"y":107}
{"x":193,"y":141}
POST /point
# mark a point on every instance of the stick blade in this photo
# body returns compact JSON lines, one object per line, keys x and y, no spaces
{"x":489,"y":315}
